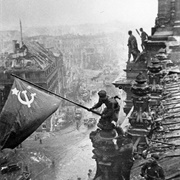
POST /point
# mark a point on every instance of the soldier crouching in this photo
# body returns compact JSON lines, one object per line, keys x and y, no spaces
{"x":110,"y":113}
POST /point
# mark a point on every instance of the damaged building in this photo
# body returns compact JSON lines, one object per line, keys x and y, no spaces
{"x":31,"y":61}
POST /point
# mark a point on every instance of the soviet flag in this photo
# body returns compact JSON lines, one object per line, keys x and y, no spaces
{"x":25,"y":110}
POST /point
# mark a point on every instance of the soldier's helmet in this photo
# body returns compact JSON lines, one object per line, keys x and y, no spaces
{"x":129,"y":32}
{"x":102,"y":94}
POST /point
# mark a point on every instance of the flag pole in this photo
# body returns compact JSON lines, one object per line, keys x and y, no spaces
{"x":95,"y":112}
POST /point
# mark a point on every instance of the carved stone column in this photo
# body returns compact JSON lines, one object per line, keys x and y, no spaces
{"x":162,"y":8}
{"x":105,"y":154}
{"x":163,"y":12}
{"x":140,"y":119}
{"x":177,"y":18}
{"x":155,"y":75}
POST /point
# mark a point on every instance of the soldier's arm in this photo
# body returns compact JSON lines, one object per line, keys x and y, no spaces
{"x":97,"y":105}
{"x":129,"y":42}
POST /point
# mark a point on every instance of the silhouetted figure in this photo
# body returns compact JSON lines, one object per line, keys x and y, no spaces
{"x":133,"y":47}
{"x":78,"y":116}
{"x":110,"y":113}
{"x":53,"y":164}
{"x":152,"y":170}
{"x":144,"y":38}
{"x":90,"y":174}
{"x":26,"y":168}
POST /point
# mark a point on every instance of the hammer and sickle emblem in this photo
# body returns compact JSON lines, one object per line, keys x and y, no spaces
{"x":27,"y":101}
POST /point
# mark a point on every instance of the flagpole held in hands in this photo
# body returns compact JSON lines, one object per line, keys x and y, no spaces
{"x":138,"y":32}
{"x":95,"y":112}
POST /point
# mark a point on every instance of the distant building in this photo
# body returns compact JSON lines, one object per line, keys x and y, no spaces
{"x":81,"y":53}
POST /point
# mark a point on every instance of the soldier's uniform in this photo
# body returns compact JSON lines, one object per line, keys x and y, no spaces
{"x":110,"y":113}
{"x":152,"y":170}
{"x":133,"y":47}
{"x":144,"y":37}
{"x":78,"y":116}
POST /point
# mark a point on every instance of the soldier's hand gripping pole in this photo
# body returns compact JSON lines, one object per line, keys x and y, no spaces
{"x":88,"y":109}
{"x":56,"y":95}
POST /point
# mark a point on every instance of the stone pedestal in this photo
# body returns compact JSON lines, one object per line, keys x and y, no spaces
{"x":140,"y":116}
{"x":140,"y":119}
{"x":105,"y":154}
{"x":155,"y":75}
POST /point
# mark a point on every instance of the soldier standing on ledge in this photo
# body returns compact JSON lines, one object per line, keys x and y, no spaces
{"x":144,"y":38}
{"x":133,"y":47}
{"x":152,"y":170}
{"x":110,"y":113}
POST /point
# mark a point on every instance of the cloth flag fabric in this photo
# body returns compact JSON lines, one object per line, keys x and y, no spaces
{"x":25,"y":110}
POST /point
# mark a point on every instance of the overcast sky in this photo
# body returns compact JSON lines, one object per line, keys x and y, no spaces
{"x":61,"y":12}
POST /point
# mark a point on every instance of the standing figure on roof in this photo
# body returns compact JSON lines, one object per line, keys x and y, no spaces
{"x":133,"y":47}
{"x":110,"y":113}
{"x":144,"y":38}
{"x":152,"y":170}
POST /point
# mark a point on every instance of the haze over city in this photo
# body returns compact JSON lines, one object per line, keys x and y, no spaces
{"x":73,"y":12}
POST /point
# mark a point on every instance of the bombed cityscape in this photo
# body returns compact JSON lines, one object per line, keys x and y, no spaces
{"x":88,"y":92}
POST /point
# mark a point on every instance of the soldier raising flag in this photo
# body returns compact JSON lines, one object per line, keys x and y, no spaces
{"x":144,"y":38}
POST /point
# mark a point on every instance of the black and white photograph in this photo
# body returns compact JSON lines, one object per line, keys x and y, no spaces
{"x":89,"y":89}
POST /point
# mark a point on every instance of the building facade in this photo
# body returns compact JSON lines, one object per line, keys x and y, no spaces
{"x":32,"y":62}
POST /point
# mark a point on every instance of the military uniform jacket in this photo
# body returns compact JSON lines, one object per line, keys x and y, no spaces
{"x":112,"y":105}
